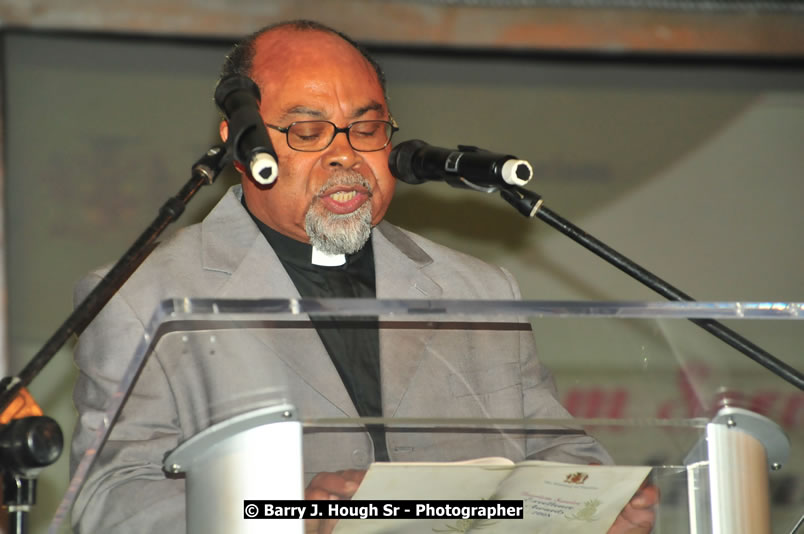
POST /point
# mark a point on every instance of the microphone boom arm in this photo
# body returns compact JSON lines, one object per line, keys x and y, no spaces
{"x":530,"y":204}
{"x":204,"y":172}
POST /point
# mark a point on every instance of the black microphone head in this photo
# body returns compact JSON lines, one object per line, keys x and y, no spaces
{"x":400,"y":161}
{"x":231,"y":85}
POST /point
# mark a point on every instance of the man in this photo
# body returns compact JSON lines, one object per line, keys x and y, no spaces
{"x":317,"y":231}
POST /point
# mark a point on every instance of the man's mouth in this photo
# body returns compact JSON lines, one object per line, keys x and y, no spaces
{"x":343,"y":196}
{"x":341,"y":200}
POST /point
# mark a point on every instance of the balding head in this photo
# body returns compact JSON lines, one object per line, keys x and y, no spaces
{"x":240,"y":59}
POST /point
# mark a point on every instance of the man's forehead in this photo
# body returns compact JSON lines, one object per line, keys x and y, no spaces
{"x":303,"y":70}
{"x":287,"y":49}
{"x":296,"y":111}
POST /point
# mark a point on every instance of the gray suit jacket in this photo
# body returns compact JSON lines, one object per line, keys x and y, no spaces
{"x":425,"y":373}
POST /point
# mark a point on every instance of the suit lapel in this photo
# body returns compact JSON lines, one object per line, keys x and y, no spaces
{"x":400,"y":267}
{"x":232,"y":244}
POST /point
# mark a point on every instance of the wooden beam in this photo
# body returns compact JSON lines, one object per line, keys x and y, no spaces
{"x":634,"y":30}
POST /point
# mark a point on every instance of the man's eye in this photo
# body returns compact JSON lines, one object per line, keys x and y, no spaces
{"x":309,"y":133}
{"x":366,"y":130}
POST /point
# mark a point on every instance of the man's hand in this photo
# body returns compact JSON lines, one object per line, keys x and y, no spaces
{"x":330,"y":487}
{"x":639,"y":514}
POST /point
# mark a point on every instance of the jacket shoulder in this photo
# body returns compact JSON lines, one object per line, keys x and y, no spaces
{"x":459,"y":274}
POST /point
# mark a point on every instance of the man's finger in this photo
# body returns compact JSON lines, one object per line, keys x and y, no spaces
{"x":646,"y":497}
{"x":640,"y":517}
{"x":318,"y":494}
{"x":341,"y":484}
{"x":319,"y":526}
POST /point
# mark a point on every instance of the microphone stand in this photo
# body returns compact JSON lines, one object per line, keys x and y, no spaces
{"x":20,"y":475}
{"x":530,"y":204}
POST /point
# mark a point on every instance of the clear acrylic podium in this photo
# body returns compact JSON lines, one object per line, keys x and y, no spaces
{"x":262,"y":410}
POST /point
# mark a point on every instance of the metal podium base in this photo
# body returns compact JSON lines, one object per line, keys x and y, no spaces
{"x":728,"y":473}
{"x":257,"y":456}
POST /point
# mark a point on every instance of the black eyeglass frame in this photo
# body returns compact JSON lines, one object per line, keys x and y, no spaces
{"x":391,"y":122}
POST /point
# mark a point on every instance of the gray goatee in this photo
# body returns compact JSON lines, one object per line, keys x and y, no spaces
{"x":335,"y":233}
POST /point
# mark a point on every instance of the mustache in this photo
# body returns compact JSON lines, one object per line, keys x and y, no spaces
{"x":345,"y":178}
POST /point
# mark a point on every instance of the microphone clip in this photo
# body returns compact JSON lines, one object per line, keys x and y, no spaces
{"x":451,"y":165}
{"x":524,"y":201}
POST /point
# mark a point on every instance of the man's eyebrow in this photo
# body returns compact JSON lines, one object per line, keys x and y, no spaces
{"x":317,"y":113}
{"x":372,"y":106}
{"x":302,"y":110}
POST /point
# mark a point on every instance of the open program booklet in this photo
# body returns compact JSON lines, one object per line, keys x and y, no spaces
{"x":557,"y":497}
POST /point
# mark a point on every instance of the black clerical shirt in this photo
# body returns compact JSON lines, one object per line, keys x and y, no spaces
{"x":353,"y":345}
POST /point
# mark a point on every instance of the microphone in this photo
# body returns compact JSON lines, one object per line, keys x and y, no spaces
{"x":416,"y":162}
{"x":238,"y":98}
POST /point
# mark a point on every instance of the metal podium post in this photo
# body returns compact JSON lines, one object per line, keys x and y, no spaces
{"x":256,"y":456}
{"x":728,"y":473}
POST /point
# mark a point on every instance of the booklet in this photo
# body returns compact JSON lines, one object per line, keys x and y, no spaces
{"x":557,"y":497}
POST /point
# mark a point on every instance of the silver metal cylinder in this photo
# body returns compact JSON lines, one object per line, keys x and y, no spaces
{"x":255,"y":456}
{"x":728,"y":473}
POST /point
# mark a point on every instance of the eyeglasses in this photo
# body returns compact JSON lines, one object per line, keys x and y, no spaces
{"x":363,"y":136}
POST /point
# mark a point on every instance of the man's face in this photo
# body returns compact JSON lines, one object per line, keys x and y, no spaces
{"x":337,"y":194}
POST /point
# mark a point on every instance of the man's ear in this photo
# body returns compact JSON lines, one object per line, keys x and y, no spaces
{"x":223,"y":129}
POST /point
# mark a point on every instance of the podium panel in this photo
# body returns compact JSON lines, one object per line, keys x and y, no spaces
{"x":250,"y":406}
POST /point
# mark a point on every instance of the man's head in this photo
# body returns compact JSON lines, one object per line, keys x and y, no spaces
{"x":307,"y":72}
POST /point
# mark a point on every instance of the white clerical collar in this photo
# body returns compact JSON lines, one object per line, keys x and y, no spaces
{"x":327,"y":260}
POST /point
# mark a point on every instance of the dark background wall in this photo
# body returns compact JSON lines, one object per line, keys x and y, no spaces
{"x":692,"y":167}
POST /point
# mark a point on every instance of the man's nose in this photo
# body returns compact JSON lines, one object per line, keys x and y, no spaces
{"x":340,"y":153}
